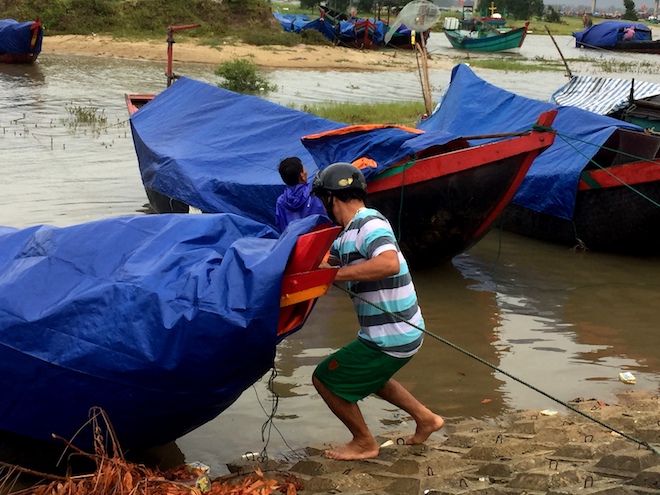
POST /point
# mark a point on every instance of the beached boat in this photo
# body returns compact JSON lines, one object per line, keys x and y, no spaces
{"x":160,"y":320}
{"x":625,"y":36}
{"x":597,"y":186}
{"x":197,"y":146}
{"x":20,"y":42}
{"x":354,"y":32}
{"x":484,"y":37}
{"x":637,"y":102}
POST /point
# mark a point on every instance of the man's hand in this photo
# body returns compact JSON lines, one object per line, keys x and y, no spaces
{"x":378,"y":268}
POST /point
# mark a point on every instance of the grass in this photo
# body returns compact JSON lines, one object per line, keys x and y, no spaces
{"x":407,"y":113}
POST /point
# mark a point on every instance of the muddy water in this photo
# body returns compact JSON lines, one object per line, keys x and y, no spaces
{"x":562,"y":321}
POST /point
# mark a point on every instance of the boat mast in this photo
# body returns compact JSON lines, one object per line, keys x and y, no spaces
{"x":171,"y":76}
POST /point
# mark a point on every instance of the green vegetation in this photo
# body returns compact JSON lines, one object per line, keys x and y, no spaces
{"x":243,"y":76}
{"x":406,"y":113}
{"x":146,"y":18}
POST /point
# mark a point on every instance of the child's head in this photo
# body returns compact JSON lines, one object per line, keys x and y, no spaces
{"x":292,"y":171}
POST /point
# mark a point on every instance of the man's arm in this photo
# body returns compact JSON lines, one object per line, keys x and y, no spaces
{"x":378,"y":268}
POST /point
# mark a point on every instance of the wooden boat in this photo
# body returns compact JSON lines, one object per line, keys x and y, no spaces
{"x":20,"y":42}
{"x":613,"y":35}
{"x":484,"y":37}
{"x":160,"y":320}
{"x":354,"y":32}
{"x":598,"y":187}
{"x":441,"y":205}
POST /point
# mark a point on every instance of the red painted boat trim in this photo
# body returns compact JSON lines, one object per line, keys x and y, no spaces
{"x":457,"y":161}
{"x":135,"y":102}
{"x":628,"y":174}
{"x":302,"y":276}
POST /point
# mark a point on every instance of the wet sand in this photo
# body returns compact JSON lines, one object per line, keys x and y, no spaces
{"x":276,"y":57}
{"x":532,"y":452}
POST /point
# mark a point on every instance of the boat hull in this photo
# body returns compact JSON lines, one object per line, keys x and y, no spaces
{"x":597,"y":226}
{"x":616,"y":202}
{"x":20,"y":43}
{"x":443,"y":216}
{"x":510,"y":40}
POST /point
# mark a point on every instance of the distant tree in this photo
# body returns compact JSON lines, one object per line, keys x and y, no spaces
{"x":524,"y":9}
{"x":630,"y":14}
{"x":552,"y":15}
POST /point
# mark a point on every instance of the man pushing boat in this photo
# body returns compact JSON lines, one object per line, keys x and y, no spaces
{"x":376,"y":273}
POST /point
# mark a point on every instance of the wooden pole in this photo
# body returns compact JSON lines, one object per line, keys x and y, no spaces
{"x":426,"y":83}
{"x":568,"y":71}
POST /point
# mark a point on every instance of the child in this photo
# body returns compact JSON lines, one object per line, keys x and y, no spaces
{"x":295,"y":202}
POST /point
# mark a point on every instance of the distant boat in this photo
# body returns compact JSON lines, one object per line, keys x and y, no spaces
{"x":637,"y":102}
{"x":160,"y":320}
{"x":597,"y":186}
{"x":612,"y":35}
{"x":20,"y":42}
{"x":484,"y":37}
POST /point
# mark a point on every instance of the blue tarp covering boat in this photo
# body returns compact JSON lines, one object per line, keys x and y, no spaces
{"x":471,"y":106}
{"x":609,"y":33}
{"x":20,"y":42}
{"x":342,"y":31}
{"x":219,"y":150}
{"x":161,"y":320}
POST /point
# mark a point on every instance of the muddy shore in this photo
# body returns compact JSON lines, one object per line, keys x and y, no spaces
{"x":273,"y":57}
{"x":532,"y":452}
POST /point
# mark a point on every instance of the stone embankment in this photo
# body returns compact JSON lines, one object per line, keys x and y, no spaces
{"x":532,"y":452}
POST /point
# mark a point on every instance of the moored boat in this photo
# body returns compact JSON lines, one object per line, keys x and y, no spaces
{"x":597,"y":186}
{"x":484,"y":37}
{"x":625,"y":36}
{"x":20,"y":42}
{"x":195,"y":145}
{"x":160,"y":320}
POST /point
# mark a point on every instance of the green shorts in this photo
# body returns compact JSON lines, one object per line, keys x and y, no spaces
{"x":357,"y":370}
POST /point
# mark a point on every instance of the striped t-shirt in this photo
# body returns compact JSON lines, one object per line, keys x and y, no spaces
{"x":366,"y":236}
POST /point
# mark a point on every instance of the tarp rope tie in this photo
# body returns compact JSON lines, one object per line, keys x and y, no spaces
{"x":492,"y":366}
{"x":566,"y":139}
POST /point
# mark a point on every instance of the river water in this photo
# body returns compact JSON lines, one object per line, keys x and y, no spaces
{"x":565,"y":322}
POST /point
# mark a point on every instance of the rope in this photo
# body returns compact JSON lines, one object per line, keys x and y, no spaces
{"x":565,"y":138}
{"x":492,"y":366}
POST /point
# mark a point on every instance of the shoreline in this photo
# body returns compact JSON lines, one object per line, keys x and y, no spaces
{"x":188,"y":50}
{"x":542,"y":452}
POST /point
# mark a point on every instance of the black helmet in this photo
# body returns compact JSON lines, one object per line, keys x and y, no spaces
{"x":339,"y":176}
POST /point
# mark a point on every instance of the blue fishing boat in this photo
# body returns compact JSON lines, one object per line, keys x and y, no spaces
{"x":20,"y":42}
{"x":596,"y":187}
{"x":623,"y":36}
{"x":160,"y":320}
{"x":217,"y":151}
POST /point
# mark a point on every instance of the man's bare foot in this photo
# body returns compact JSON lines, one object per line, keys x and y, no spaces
{"x":353,"y":451}
{"x":425,"y":428}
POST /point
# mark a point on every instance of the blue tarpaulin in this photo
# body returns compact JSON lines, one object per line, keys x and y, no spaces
{"x":162,"y":320}
{"x":471,"y":106}
{"x":608,"y":33}
{"x":218,"y":150}
{"x":16,"y":37}
{"x":383,"y":145}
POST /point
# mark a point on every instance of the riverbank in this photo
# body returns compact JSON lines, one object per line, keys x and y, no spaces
{"x":268,"y":57}
{"x":533,"y":452}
